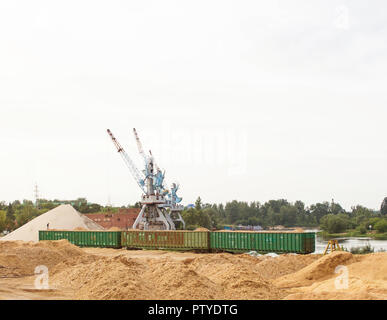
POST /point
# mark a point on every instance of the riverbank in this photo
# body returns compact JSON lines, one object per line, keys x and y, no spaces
{"x":352,"y":233}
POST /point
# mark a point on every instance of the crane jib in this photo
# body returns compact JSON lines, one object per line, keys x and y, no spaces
{"x":128,"y":161}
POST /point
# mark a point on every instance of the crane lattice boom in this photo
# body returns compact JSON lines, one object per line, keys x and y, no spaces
{"x":139,"y":145}
{"x":133,"y":169}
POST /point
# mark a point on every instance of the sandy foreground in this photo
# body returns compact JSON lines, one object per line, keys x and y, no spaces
{"x":97,"y":273}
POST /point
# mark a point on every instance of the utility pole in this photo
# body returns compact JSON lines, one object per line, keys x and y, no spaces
{"x":36,"y":193}
{"x":109,"y":204}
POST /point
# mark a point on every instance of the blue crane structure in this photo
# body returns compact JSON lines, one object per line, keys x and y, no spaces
{"x":160,"y":207}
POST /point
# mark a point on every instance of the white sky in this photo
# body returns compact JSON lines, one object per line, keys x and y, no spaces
{"x":288,"y":98}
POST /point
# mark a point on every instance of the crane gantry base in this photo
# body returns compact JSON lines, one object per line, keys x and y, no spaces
{"x":151,"y":217}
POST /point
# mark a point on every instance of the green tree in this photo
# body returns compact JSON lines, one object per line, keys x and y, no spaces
{"x":360,"y":214}
{"x":383,"y":208}
{"x":198,"y":203}
{"x":335,"y":208}
{"x":232,"y":211}
{"x":137,"y":205}
{"x":214,"y":217}
{"x":195,"y":218}
{"x":222,"y":213}
{"x":3,"y":220}
{"x":10,"y":217}
{"x":272,"y":218}
{"x":334,"y":223}
{"x":372,"y":222}
{"x":361,"y":229}
{"x":319,"y":210}
{"x":27,"y":213}
{"x":254,"y":221}
{"x":3,"y":205}
{"x":288,"y":215}
{"x":10,"y":213}
{"x":381,"y":226}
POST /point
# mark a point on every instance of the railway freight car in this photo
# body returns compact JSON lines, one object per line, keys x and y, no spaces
{"x":102,"y":239}
{"x":173,"y":240}
{"x":279,"y":242}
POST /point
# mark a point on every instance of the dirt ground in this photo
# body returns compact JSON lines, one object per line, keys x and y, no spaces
{"x":96,"y":273}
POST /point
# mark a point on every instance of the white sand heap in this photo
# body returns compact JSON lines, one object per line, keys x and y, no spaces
{"x":64,"y":217}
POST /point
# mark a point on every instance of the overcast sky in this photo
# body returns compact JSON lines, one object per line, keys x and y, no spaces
{"x":247,"y":100}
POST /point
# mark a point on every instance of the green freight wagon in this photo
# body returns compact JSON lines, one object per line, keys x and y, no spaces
{"x":174,"y":240}
{"x":104,"y":239}
{"x":263,"y":242}
{"x":189,"y":240}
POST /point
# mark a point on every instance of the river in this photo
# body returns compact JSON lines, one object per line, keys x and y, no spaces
{"x":350,"y":242}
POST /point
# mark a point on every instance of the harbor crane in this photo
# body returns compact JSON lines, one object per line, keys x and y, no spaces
{"x":160,"y":207}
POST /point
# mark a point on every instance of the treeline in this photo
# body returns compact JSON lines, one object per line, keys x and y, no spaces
{"x":329,"y":216}
{"x":16,"y":214}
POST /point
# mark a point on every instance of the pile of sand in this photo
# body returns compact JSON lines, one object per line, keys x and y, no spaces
{"x":319,"y":270}
{"x":179,"y":280}
{"x":236,"y":276}
{"x":18,"y":258}
{"x":131,"y":278}
{"x":63,"y":217}
{"x":102,"y":278}
{"x":201,"y":229}
{"x":366,"y":279}
{"x":210,"y":276}
{"x":273,"y":268}
{"x":213,"y":276}
{"x":115,"y":229}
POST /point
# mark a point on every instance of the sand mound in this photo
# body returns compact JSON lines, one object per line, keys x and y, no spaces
{"x":179,"y":280}
{"x":102,"y":278}
{"x":63,"y":217}
{"x":18,"y":258}
{"x":366,"y":280}
{"x":115,"y":229}
{"x":126,"y":278}
{"x":318,"y":270}
{"x":201,"y":229}
{"x":237,"y":276}
{"x":207,"y":276}
{"x":273,"y":268}
{"x":212,"y":276}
